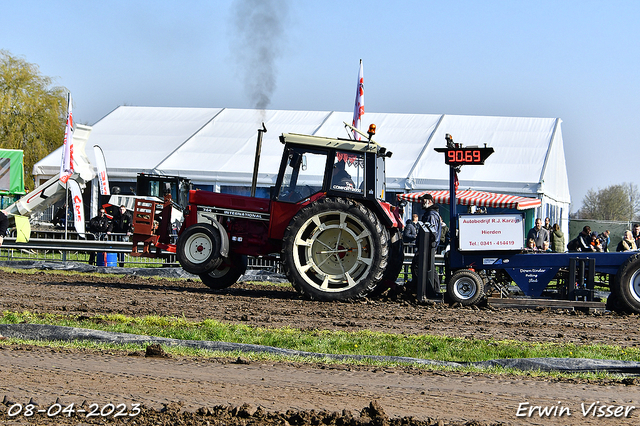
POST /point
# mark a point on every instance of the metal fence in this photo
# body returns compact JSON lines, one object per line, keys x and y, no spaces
{"x":58,"y":245}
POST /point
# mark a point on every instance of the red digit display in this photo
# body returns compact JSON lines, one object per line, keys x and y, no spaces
{"x":461,"y":156}
{"x":451,"y":157}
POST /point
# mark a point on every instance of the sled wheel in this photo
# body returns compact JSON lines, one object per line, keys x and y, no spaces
{"x":226,"y":274}
{"x":335,"y":249}
{"x":465,"y":287}
{"x":627,"y":284}
{"x":198,"y":249}
{"x":613,"y":303}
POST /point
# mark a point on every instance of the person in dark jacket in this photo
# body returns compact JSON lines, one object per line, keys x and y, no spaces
{"x":122,"y":222}
{"x":99,"y":225}
{"x":410,"y":230}
{"x":431,"y":215}
{"x":582,"y":242}
{"x":539,"y":234}
{"x":122,"y":225}
{"x":636,"y":233}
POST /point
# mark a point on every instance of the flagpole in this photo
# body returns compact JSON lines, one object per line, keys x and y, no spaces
{"x":66,"y":188}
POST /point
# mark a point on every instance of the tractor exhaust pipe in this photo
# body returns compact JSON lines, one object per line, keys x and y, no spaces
{"x":256,"y":162}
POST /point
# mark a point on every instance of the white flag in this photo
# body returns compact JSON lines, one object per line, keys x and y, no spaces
{"x":66,"y":166}
{"x":358,"y":111}
{"x":78,"y":206}
{"x":101,"y":165}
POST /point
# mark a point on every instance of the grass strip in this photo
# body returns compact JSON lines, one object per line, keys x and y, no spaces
{"x":439,"y":348}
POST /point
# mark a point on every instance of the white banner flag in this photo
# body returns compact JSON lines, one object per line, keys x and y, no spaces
{"x":78,"y":206}
{"x":101,"y":165}
{"x":358,"y":110}
{"x":66,"y":166}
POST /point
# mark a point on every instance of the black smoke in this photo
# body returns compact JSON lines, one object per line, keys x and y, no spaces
{"x":258,"y":42}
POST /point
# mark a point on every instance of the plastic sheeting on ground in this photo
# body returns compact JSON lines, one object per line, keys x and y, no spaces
{"x":58,"y":333}
{"x":251,"y":275}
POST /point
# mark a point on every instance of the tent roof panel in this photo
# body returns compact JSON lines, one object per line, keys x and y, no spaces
{"x":217,"y":145}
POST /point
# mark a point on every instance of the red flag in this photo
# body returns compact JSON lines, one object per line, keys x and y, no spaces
{"x":66,"y":166}
{"x":358,"y":111}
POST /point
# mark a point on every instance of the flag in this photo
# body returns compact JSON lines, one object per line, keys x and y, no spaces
{"x":78,"y":206}
{"x":101,"y":165}
{"x":358,"y":111}
{"x":23,"y":229}
{"x":66,"y":166}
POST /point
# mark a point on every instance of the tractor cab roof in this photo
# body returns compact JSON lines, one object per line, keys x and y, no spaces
{"x":333,"y":143}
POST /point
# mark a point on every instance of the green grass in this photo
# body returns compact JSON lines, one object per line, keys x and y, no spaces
{"x":334,"y":342}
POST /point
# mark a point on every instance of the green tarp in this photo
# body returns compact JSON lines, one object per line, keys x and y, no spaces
{"x":11,"y":172}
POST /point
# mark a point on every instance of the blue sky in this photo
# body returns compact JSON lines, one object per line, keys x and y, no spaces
{"x":577,"y":60}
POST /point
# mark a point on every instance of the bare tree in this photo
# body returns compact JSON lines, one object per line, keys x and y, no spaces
{"x":616,"y":202}
{"x":32,"y":112}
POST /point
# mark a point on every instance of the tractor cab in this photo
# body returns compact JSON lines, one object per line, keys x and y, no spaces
{"x":335,"y":167}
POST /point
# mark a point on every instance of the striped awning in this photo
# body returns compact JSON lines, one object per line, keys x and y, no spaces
{"x":477,"y":198}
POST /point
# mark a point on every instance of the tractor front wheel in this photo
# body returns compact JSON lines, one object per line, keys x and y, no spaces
{"x":198,"y":249}
{"x":226,"y":274}
{"x":335,"y":249}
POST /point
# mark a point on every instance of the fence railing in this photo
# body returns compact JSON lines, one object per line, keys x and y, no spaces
{"x":52,"y":245}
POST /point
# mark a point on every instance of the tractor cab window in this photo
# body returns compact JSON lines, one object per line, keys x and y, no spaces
{"x":348,"y":172}
{"x":303,"y":176}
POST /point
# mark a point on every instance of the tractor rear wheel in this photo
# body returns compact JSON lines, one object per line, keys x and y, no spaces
{"x":465,"y":287}
{"x":226,"y":274}
{"x":198,"y":249}
{"x":627,"y":284}
{"x":335,"y":249}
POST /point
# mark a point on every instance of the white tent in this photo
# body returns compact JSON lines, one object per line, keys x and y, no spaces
{"x":216,"y":146}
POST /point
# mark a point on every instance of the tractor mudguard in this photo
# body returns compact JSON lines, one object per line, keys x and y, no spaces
{"x":224,"y":238}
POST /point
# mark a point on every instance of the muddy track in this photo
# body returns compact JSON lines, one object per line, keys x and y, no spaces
{"x":279,"y":306}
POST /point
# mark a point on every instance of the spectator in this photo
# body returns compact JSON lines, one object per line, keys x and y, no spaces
{"x":538,"y":234}
{"x":596,"y":245}
{"x":444,"y":238}
{"x":531,"y":246}
{"x":636,"y":233}
{"x":411,"y":230}
{"x":99,"y":225}
{"x":431,"y":218}
{"x":431,"y":215}
{"x":122,"y":225}
{"x":582,"y":242}
{"x":627,"y":243}
{"x":557,"y":239}
{"x":605,"y":240}
{"x":546,"y":248}
{"x":547,"y":224}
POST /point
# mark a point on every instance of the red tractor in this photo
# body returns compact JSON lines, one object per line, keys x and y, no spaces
{"x":326,"y":221}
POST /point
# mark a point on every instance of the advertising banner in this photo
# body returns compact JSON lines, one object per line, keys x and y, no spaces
{"x":78,"y":206}
{"x":485,"y":232}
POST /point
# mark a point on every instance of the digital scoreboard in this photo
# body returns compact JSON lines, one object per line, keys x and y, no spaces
{"x":463,"y":156}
